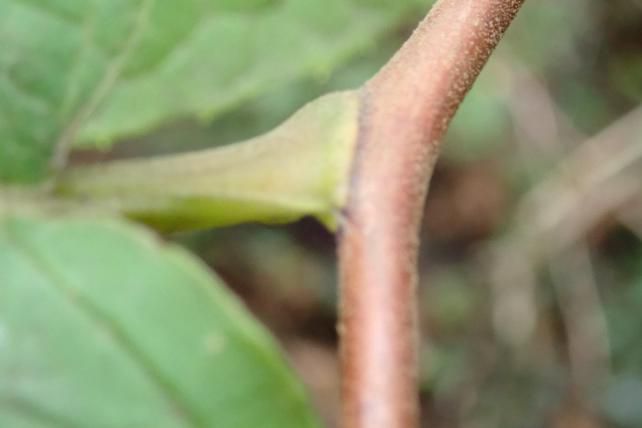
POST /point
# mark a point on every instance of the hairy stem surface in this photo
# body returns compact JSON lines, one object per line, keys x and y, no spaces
{"x":405,"y":111}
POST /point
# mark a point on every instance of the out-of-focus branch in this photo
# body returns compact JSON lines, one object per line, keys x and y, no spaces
{"x":585,"y":324}
{"x":405,"y":111}
{"x":598,"y":177}
{"x":601,"y":177}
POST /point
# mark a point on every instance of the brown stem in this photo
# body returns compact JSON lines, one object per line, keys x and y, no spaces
{"x":405,"y":108}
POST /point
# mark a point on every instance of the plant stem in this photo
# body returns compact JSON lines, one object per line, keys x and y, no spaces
{"x":405,"y":111}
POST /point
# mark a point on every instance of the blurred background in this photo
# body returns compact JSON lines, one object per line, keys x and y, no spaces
{"x":531,"y":260}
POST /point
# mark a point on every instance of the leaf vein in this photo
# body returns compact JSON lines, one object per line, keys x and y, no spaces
{"x":34,"y":411}
{"x":102,"y":320}
{"x":110,"y":78}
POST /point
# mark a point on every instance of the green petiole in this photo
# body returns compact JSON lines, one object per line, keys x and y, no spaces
{"x":300,"y":168}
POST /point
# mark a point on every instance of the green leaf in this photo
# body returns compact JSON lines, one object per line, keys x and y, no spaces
{"x":98,"y":70}
{"x":59,"y":59}
{"x":102,"y":326}
{"x":227,"y":56}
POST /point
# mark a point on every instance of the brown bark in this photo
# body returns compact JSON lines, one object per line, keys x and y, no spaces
{"x":405,"y":111}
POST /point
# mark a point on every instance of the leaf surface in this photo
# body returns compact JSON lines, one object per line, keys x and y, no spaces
{"x":94,"y":71}
{"x":102,"y":326}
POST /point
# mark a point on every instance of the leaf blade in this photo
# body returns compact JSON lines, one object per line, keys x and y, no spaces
{"x":173,"y":349}
{"x":95,"y":71}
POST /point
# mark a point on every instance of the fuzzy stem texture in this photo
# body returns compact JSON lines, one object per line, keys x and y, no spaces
{"x":405,"y":110}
